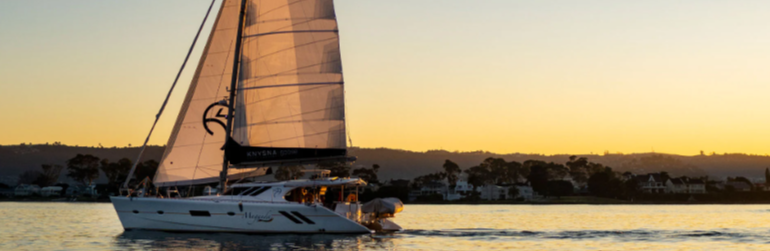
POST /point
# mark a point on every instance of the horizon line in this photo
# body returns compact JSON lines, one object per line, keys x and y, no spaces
{"x":606,"y":153}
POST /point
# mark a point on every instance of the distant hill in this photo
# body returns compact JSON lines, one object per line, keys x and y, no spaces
{"x":408,"y":164}
{"x":16,"y":159}
{"x":401,"y":164}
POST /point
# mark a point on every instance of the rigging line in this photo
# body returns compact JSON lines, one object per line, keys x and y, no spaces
{"x":163,"y":107}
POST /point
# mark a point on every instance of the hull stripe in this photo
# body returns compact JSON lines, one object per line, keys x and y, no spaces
{"x":287,"y":215}
{"x":305,"y":219}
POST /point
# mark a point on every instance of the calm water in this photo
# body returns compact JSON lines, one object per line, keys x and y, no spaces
{"x":94,"y":226}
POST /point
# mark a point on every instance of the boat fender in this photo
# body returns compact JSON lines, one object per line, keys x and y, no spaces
{"x":240,"y":206}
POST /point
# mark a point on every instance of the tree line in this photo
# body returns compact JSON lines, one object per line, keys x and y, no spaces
{"x":545,"y":178}
{"x":85,"y":169}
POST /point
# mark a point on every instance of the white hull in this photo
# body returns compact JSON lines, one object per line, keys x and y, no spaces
{"x":212,"y":215}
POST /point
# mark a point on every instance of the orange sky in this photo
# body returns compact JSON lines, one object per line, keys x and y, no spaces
{"x":504,"y":76}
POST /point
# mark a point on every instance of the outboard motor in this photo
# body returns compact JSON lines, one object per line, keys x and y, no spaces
{"x":377,"y":211}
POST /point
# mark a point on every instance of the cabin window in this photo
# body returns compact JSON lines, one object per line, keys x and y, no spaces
{"x":260,"y":191}
{"x":231,"y":213}
{"x":199,"y":213}
{"x":241,"y":190}
{"x":306,"y":194}
{"x":160,"y":212}
{"x":135,"y":211}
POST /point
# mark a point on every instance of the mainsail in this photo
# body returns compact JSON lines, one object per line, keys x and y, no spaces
{"x":289,"y":102}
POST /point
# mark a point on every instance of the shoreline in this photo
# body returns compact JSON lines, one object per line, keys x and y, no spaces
{"x":58,"y":199}
{"x":569,"y":200}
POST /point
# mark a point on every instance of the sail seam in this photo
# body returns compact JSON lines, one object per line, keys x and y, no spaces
{"x":296,"y":121}
{"x":286,"y":94}
{"x":304,"y":113}
{"x":288,"y":32}
{"x":287,"y":85}
{"x":291,"y":138}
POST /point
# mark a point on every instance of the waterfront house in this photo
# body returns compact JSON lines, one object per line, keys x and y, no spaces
{"x":651,"y":183}
{"x":696,"y":186}
{"x":461,"y":189}
{"x":685,"y":185}
{"x":494,"y":192}
{"x":502,"y":192}
{"x":26,"y":190}
{"x":51,"y":191}
{"x":74,"y":191}
{"x":676,"y":185}
{"x":525,"y":192}
{"x":432,"y":188}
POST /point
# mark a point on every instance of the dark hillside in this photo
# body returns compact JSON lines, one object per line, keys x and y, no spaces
{"x":15,"y":159}
{"x":401,"y":164}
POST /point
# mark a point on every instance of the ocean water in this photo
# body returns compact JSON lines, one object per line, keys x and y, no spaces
{"x":95,"y":226}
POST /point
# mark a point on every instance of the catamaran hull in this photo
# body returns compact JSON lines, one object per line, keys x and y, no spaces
{"x":194,"y":215}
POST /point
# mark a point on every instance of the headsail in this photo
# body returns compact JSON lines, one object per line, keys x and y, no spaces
{"x":290,"y":97}
{"x":194,"y":152}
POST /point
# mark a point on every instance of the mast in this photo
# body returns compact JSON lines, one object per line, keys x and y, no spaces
{"x":231,"y":102}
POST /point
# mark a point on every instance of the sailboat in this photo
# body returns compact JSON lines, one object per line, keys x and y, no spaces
{"x":268,"y":92}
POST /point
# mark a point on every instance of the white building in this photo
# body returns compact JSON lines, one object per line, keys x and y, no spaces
{"x":52,"y":191}
{"x":684,"y":185}
{"x":676,"y":185}
{"x":81,"y":190}
{"x":494,"y":192}
{"x":26,"y":190}
{"x":462,"y":189}
{"x":433,"y":188}
{"x":525,"y":192}
{"x":651,"y":183}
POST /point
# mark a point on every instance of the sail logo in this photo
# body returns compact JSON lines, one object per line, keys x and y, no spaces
{"x":263,"y":153}
{"x":217,"y":117}
{"x":254,"y":218}
{"x":271,"y":153}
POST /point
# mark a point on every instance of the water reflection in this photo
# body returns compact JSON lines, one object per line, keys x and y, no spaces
{"x":95,"y":226}
{"x":138,"y":239}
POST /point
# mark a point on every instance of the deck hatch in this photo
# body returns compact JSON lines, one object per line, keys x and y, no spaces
{"x":287,"y":215}
{"x":305,"y":219}
{"x":200,"y":213}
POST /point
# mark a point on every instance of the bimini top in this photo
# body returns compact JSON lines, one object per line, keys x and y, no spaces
{"x":334,"y":181}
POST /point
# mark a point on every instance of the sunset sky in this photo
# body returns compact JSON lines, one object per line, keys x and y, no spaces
{"x":551,"y":77}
